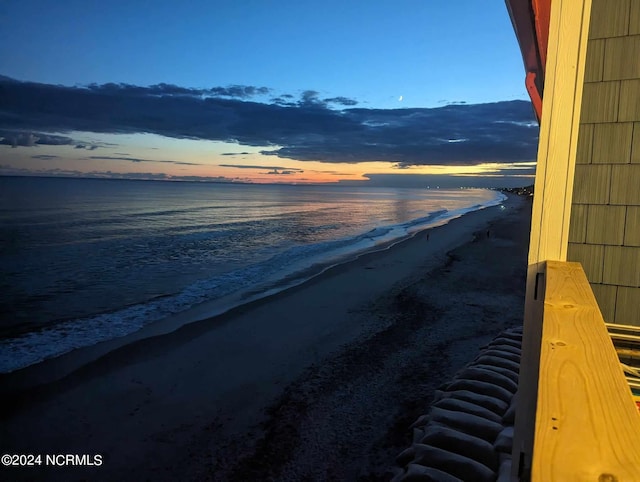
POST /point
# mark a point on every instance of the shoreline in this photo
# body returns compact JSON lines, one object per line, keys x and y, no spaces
{"x":55,"y":368}
{"x":287,"y":277}
{"x":208,"y":400}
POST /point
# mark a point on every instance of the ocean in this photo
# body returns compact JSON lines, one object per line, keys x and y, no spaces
{"x":88,"y":260}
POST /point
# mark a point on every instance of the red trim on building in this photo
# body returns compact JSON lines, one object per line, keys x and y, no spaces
{"x":530,"y":20}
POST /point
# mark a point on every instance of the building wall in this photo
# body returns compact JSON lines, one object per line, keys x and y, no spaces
{"x":604,"y":232}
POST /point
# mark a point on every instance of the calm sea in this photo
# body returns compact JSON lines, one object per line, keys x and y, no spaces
{"x":86,"y":260}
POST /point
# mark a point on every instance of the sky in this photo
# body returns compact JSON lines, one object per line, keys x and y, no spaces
{"x":425,"y":92}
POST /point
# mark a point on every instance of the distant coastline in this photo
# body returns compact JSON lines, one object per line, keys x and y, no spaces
{"x":523,"y":191}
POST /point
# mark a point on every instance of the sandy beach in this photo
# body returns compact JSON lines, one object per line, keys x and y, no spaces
{"x":319,"y":382}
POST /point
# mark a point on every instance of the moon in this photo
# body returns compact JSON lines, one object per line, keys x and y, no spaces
{"x":400,"y":99}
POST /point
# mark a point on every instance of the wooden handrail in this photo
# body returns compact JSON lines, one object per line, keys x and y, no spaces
{"x":586,"y":426}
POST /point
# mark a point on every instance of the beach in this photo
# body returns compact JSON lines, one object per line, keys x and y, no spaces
{"x":318,"y":382}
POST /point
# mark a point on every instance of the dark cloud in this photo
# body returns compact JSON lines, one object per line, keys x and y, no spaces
{"x":285,"y":100}
{"x":452,"y":102}
{"x":283,"y":172}
{"x":335,"y":173}
{"x":8,"y":170}
{"x":523,"y":171}
{"x":272,"y":168}
{"x":169,"y":90}
{"x":464,"y":134}
{"x":341,"y":100}
{"x":44,"y":157}
{"x":234,"y":154}
{"x":309,"y":97}
{"x":136,"y":159}
{"x":239,"y":91}
{"x":281,"y":101}
{"x":29,"y":138}
{"x":312,"y":98}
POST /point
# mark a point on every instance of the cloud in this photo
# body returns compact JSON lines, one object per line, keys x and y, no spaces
{"x":239,"y":91}
{"x":281,"y":101}
{"x":452,"y":102}
{"x":44,"y":157}
{"x":57,"y":172}
{"x":272,"y":168}
{"x":135,"y":159}
{"x":341,"y":100}
{"x":309,"y":97}
{"x":16,"y":138}
{"x":454,"y":134}
{"x":234,"y":154}
{"x":170,"y":90}
{"x":335,"y":173}
{"x":284,"y":100}
{"x":284,"y":172}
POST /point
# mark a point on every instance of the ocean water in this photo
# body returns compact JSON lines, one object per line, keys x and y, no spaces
{"x":87,"y":260}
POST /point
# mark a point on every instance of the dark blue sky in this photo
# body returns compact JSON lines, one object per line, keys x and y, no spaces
{"x":427,"y":51}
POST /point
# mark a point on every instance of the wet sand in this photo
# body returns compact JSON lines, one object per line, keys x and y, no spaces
{"x":319,"y":382}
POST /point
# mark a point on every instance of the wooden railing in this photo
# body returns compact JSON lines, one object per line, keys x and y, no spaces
{"x":584,"y":425}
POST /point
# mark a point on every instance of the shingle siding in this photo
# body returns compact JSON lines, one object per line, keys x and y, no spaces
{"x":604,"y":233}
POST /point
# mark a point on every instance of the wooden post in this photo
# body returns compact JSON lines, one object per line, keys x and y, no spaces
{"x":566,"y":55}
{"x":559,"y":127}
